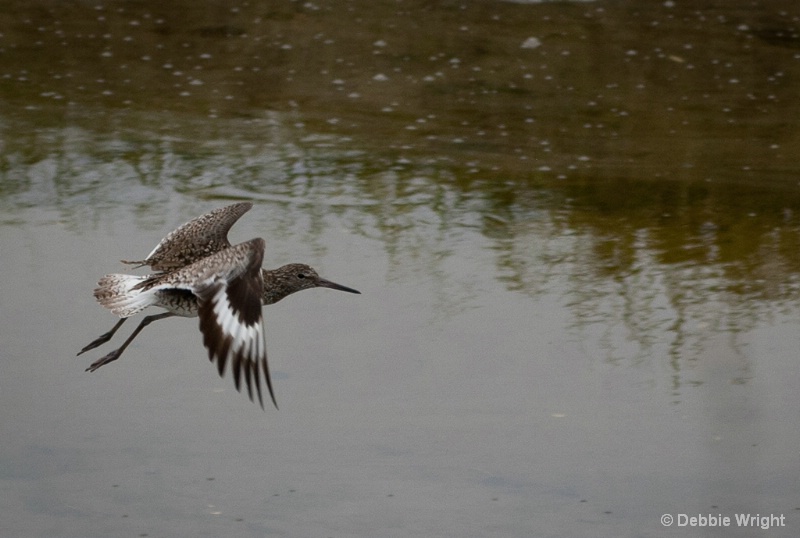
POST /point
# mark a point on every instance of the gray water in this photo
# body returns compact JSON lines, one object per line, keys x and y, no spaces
{"x":574,"y":226}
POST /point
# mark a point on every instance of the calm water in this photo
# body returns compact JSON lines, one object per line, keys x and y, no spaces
{"x":575,"y":226}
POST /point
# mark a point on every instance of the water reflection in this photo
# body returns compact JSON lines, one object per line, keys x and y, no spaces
{"x":574,"y":223}
{"x":662,"y":89}
{"x":662,"y":265}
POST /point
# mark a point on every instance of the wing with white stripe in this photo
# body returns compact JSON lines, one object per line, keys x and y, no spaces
{"x":231,"y":322}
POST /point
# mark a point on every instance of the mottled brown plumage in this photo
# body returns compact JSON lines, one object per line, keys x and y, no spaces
{"x":198,"y":238}
{"x":201,"y":274}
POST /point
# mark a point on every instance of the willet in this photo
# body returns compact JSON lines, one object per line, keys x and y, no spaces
{"x":199,"y":273}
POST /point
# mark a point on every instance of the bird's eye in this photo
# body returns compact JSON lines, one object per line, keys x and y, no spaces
{"x":301,"y":275}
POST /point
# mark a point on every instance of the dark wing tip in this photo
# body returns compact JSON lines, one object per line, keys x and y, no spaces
{"x":229,"y":307}
{"x":269,"y":382}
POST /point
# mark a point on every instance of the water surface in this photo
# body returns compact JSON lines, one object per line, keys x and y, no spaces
{"x":574,"y":226}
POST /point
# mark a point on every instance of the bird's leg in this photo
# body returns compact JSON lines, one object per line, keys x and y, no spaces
{"x":103,"y":338}
{"x":114,"y":355}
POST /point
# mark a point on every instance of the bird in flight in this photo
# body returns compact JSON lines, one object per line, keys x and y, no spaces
{"x":198,"y":273}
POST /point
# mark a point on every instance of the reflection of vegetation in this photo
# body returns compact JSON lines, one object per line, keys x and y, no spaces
{"x":640,"y":162}
{"x":655,"y":267}
{"x":664,"y":266}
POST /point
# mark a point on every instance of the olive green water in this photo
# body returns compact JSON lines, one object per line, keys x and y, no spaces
{"x":575,"y":226}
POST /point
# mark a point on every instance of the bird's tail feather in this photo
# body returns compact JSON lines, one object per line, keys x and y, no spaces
{"x":124,"y":295}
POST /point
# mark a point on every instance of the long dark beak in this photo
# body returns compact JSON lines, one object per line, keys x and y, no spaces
{"x":322,"y":283}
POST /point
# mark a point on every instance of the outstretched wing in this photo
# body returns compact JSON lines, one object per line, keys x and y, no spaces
{"x":198,"y":238}
{"x":229,"y":306}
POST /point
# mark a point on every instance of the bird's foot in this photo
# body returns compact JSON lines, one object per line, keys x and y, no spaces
{"x":102,"y":339}
{"x":111,"y":357}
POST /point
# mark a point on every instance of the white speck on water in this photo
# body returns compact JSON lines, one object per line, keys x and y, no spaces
{"x":337,"y":82}
{"x":205,"y":56}
{"x":380,"y":77}
{"x":354,"y":95}
{"x":107,"y":54}
{"x":145,"y":58}
{"x":531,"y":43}
{"x":379,"y":43}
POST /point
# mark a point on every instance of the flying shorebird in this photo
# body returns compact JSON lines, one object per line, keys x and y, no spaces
{"x":199,"y":273}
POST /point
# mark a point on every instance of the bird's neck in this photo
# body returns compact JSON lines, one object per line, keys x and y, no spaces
{"x":275,"y":289}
